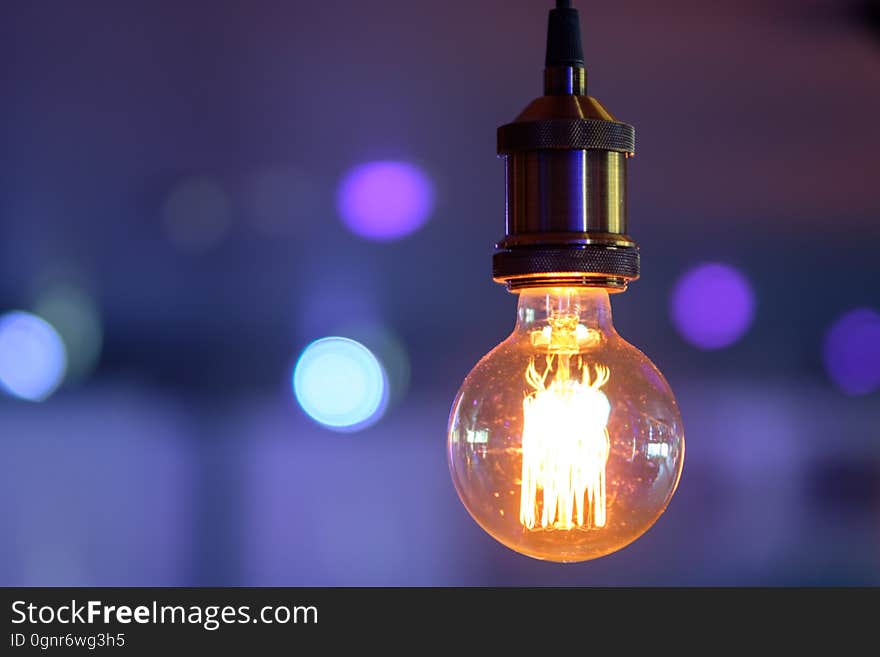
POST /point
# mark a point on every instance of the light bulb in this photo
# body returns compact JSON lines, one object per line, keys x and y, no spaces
{"x":565,"y":441}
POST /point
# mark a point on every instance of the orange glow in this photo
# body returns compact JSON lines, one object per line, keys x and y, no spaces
{"x":564,"y":447}
{"x":565,"y":442}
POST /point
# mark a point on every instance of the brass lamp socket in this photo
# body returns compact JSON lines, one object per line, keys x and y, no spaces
{"x":565,"y":160}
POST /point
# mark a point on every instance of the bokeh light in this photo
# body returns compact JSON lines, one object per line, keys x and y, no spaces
{"x":340,"y":384}
{"x":385,"y":200}
{"x":32,"y":356}
{"x":712,"y":305}
{"x":852,"y":352}
{"x":388,"y":348}
{"x":196,"y":214}
{"x":75,"y":316}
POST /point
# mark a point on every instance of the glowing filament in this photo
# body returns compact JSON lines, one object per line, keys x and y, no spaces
{"x":564,"y":446}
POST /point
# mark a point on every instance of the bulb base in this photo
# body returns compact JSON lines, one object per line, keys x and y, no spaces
{"x":566,"y":214}
{"x":565,"y":159}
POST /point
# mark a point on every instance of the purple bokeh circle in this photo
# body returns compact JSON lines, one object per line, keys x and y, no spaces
{"x":385,"y":200}
{"x":712,"y":305}
{"x":852,"y":351}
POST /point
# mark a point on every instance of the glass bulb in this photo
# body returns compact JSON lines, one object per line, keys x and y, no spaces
{"x":565,"y":441}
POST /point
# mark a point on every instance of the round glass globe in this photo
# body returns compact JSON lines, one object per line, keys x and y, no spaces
{"x":565,"y":441}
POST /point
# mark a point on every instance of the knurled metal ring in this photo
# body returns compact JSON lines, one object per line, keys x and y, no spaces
{"x":566,"y":134}
{"x":596,"y":259}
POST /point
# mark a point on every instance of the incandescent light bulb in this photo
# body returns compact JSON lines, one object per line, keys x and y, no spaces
{"x":565,"y":441}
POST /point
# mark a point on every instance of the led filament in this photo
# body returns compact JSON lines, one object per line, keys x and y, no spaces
{"x":565,"y":442}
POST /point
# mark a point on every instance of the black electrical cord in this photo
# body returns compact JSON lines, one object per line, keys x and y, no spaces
{"x":564,"y":37}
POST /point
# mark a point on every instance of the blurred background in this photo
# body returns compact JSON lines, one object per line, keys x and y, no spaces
{"x":193,"y":194}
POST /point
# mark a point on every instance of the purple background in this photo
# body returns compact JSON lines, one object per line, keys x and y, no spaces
{"x":182,"y":164}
